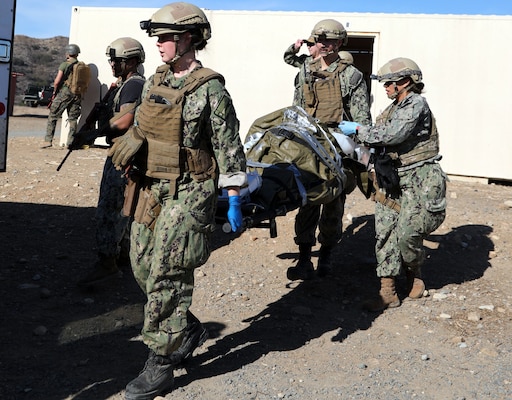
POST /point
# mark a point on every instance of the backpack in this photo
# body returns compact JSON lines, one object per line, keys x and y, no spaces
{"x":78,"y":79}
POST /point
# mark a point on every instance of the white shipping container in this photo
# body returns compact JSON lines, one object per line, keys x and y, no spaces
{"x":462,"y":58}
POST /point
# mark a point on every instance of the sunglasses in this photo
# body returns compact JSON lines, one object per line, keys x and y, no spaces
{"x":399,"y":82}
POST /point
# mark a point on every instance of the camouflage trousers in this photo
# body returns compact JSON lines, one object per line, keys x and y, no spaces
{"x":327,"y":217}
{"x":163,"y":260}
{"x":111,"y":225}
{"x":64,"y":101}
{"x":400,"y":235}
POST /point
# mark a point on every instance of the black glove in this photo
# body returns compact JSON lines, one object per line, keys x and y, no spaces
{"x":83,"y":138}
{"x":387,"y":174}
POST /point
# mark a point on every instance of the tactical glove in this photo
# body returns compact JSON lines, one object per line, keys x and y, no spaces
{"x":125,"y":147}
{"x":235,"y":213}
{"x":83,"y":138}
{"x":348,"y":127}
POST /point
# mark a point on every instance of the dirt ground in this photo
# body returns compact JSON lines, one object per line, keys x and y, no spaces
{"x":269,"y":338}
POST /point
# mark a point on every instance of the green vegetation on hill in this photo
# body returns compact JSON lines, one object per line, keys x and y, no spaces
{"x":35,"y":61}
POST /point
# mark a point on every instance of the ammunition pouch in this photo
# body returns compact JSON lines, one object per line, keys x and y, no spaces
{"x":201,"y":164}
{"x":148,"y":208}
{"x":131,"y":194}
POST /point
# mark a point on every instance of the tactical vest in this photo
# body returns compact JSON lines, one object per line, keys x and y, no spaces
{"x":322,"y":93}
{"x":412,"y":152}
{"x":160,"y":118}
{"x":425,"y":149}
{"x":116,"y":109}
{"x":111,"y":109}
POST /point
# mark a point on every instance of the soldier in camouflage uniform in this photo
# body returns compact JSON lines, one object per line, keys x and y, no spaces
{"x":189,"y":125}
{"x":330,"y":90}
{"x":291,"y":58}
{"x":115,"y":117}
{"x":63,"y":99}
{"x":406,"y":144}
{"x":290,"y":55}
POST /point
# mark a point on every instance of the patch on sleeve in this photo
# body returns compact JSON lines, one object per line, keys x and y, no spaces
{"x":223,"y":108}
{"x":355,"y":79}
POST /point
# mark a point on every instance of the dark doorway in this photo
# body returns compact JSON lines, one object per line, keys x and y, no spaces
{"x":361,"y":48}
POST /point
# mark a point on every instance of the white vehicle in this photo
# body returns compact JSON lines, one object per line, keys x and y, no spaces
{"x":7,"y":13}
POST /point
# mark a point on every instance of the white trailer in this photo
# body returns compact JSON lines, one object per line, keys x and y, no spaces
{"x":463,"y":58}
{"x":7,"y":14}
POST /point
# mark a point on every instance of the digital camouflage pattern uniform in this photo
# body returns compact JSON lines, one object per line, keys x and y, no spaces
{"x":163,"y":260}
{"x":64,"y":101}
{"x":355,"y":100}
{"x":422,"y":187}
{"x":111,"y":224}
{"x":291,"y":58}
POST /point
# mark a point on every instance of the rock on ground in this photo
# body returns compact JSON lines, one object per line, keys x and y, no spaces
{"x":269,"y":338}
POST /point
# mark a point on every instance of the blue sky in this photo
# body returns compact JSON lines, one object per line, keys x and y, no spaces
{"x":38,"y":21}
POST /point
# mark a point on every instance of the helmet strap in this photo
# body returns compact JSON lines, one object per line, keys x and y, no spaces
{"x":404,"y":89}
{"x":179,"y":53}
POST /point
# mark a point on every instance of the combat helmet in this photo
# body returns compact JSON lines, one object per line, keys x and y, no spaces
{"x":331,"y":29}
{"x":346,"y":57}
{"x":72,"y":49}
{"x":126,"y":47}
{"x":176,"y":18}
{"x":397,"y":69}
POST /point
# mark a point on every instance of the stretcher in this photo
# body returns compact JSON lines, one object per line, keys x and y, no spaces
{"x":292,"y":160}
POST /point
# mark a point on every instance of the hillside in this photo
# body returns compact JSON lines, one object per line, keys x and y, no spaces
{"x":35,"y":61}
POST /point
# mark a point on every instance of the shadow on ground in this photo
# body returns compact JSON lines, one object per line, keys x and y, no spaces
{"x":59,"y":341}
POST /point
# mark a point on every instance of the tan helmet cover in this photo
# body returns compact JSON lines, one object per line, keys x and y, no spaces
{"x":346,"y":57}
{"x":331,"y":29}
{"x":126,"y":47}
{"x":310,"y":40}
{"x":177,"y":18}
{"x":397,"y":69}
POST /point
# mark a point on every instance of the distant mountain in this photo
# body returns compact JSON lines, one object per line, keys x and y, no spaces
{"x":36,"y":61}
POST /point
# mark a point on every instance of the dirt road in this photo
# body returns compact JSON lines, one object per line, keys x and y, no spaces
{"x":269,"y":338}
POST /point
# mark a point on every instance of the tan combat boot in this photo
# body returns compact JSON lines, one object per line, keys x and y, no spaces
{"x":387,"y":296}
{"x":415,"y":284}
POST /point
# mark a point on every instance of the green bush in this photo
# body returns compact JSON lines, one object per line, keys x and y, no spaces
{"x":18,"y":62}
{"x":42,"y":58}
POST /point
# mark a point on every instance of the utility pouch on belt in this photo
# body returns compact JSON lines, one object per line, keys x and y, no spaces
{"x":148,"y":208}
{"x":387,"y":174}
{"x":380,"y":197}
{"x":135,"y":181}
{"x":131,"y":196}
